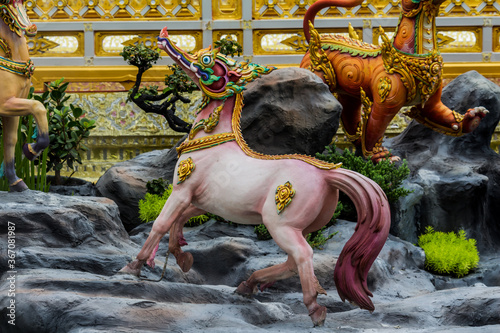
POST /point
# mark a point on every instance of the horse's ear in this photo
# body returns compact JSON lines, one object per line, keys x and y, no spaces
{"x":233,"y":76}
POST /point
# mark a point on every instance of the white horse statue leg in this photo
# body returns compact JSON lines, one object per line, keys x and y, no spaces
{"x":291,"y":194}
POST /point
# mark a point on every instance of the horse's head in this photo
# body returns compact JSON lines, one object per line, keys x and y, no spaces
{"x":215,"y":74}
{"x":14,"y":15}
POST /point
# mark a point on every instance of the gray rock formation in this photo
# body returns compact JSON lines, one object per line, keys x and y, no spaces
{"x":455,"y":179}
{"x":68,"y":250}
{"x":288,"y":111}
{"x":125,"y":182}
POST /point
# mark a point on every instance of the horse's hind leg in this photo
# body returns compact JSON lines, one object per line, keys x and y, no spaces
{"x":14,"y":107}
{"x":171,"y":213}
{"x":292,"y":241}
{"x":10,"y":125}
{"x":265,"y":277}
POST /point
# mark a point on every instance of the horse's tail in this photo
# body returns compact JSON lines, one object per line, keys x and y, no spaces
{"x":372,"y":229}
{"x":319,"y":5}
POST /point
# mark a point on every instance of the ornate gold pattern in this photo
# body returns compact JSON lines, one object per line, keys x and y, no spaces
{"x":205,"y":142}
{"x":116,"y":10}
{"x":19,"y":68}
{"x":209,"y":124}
{"x":427,"y":69}
{"x":367,"y":109}
{"x":384,"y":87}
{"x":184,"y":170}
{"x":319,"y":59}
{"x":352,"y":137}
{"x":5,"y":48}
{"x":60,"y":44}
{"x":283,"y":197}
{"x":226,"y":9}
{"x":149,"y":38}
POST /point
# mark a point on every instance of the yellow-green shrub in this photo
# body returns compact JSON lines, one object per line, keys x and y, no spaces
{"x":152,"y":204}
{"x":448,"y":253}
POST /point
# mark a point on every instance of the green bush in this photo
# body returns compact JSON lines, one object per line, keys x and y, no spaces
{"x":229,"y":47}
{"x":152,"y":204}
{"x":389,"y":176}
{"x":317,"y":239}
{"x":448,"y":253}
{"x":68,"y":127}
{"x":157,"y":186}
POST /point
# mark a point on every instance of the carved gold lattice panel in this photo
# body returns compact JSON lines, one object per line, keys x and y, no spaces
{"x":450,"y":39}
{"x":283,"y":9}
{"x":226,"y":9}
{"x":56,"y":44}
{"x":496,"y":39}
{"x":460,"y":39}
{"x":113,"y":9}
{"x":111,"y":43}
{"x":236,"y":35}
{"x":286,"y":41}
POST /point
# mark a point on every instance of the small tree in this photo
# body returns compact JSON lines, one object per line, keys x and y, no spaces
{"x":149,"y":98}
{"x":68,"y":127}
{"x":229,"y":47}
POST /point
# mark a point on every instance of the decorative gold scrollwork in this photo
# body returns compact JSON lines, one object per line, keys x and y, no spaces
{"x":284,"y":195}
{"x":426,"y":69}
{"x":209,"y":124}
{"x":185,"y":169}
{"x":384,"y":87}
{"x":319,"y":59}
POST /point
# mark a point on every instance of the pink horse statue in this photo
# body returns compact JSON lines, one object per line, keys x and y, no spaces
{"x":292,"y":195}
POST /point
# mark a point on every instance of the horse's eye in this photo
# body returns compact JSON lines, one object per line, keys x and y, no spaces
{"x":206,"y":60}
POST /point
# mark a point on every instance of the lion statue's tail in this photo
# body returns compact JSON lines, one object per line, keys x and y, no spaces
{"x":372,"y":229}
{"x":319,"y":5}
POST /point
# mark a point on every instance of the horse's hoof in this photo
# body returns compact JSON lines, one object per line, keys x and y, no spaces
{"x":29,"y":152}
{"x":185,"y":261}
{"x":318,"y":316}
{"x":245,"y":290}
{"x":133,"y":268}
{"x":18,"y":186}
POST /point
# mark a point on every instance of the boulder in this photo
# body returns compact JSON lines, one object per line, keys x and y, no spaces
{"x":455,"y":179}
{"x":68,"y":251}
{"x":125,"y":182}
{"x":58,"y":231}
{"x":289,"y":110}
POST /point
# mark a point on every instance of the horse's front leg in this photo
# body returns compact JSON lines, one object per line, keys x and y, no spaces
{"x":177,"y":240}
{"x":14,"y":107}
{"x":10,"y":125}
{"x":171,"y":213}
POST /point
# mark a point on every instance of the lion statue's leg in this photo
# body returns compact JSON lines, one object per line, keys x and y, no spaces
{"x":440,"y":118}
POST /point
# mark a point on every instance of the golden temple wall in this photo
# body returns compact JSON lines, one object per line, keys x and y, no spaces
{"x":80,"y":40}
